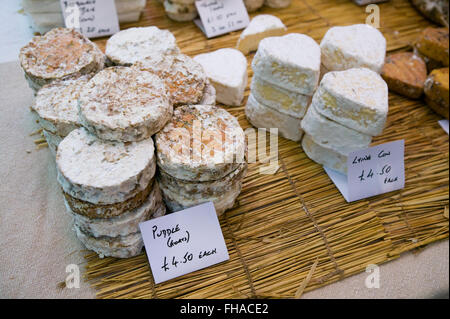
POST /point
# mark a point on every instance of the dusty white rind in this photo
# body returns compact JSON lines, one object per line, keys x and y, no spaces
{"x":96,"y":211}
{"x":56,"y":105}
{"x":53,"y":141}
{"x":124,"y":104}
{"x":223,"y":201}
{"x":119,"y":247}
{"x":199,"y":190}
{"x":284,"y":101}
{"x":184,"y":78}
{"x":180,"y":10}
{"x":333,"y":135}
{"x":102,"y":172}
{"x":218,"y":143}
{"x":355,"y":98}
{"x":262,"y":116}
{"x":227,"y":71}
{"x":60,"y":53}
{"x":291,"y":61}
{"x":125,"y":224}
{"x":260,"y":27}
{"x":209,"y":95}
{"x":134,"y":44}
{"x":354,"y":46}
{"x":324,"y":156}
{"x":277,"y":3}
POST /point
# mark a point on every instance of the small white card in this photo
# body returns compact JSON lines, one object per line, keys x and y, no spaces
{"x":444,"y":125}
{"x":182,"y":242}
{"x":92,"y":18}
{"x":218,"y":17}
{"x":372,"y":171}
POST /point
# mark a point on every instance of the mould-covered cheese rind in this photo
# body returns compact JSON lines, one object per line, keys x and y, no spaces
{"x":356,"y":98}
{"x":333,"y":135}
{"x":56,"y":104}
{"x":284,"y":101}
{"x":324,"y":156}
{"x":184,"y":78}
{"x":291,"y":61}
{"x":58,"y":54}
{"x":102,"y":172}
{"x":263,"y":116}
{"x":124,"y":104}
{"x":125,"y":224}
{"x":200,"y":143}
{"x":354,"y":46}
{"x":134,"y":44}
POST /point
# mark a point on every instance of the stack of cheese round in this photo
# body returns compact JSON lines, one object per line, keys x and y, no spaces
{"x":109,"y":188}
{"x":286,"y":74}
{"x":201,"y":158}
{"x":348,"y":108}
{"x":59,"y":54}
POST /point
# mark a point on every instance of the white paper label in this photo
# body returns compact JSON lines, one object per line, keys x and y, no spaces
{"x":372,"y":171}
{"x":218,"y":17}
{"x":92,"y":18}
{"x":444,"y":125}
{"x":182,"y":242}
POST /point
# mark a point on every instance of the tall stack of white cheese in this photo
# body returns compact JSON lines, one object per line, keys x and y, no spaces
{"x":348,"y":108}
{"x":286,"y":74}
{"x":351,"y":104}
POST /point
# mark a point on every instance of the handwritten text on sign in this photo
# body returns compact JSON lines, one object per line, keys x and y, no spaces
{"x":92,"y":18}
{"x":221,"y":16}
{"x":376,"y":170}
{"x":183,"y":242}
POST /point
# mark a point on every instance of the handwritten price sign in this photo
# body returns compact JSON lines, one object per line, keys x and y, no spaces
{"x":183,"y":242}
{"x":372,"y":171}
{"x":92,"y":18}
{"x":218,"y":17}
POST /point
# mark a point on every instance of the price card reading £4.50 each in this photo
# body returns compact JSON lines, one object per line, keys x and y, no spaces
{"x":182,"y":242}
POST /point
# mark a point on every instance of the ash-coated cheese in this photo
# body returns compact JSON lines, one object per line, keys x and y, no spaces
{"x":227,"y":71}
{"x":354,"y":46}
{"x":260,"y":27}
{"x":200,"y":143}
{"x":324,"y":156}
{"x":284,"y":101}
{"x":125,"y":224}
{"x":124,"y":104}
{"x":118,"y":247}
{"x":134,"y":44}
{"x":356,"y":98}
{"x":333,"y":135}
{"x":56,"y":105}
{"x":291,"y":61}
{"x":102,"y":172}
{"x":184,"y":78}
{"x":53,"y":141}
{"x":263,"y":116}
{"x":58,"y":54}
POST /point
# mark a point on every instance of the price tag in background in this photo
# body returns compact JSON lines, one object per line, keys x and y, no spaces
{"x":182,"y":242}
{"x":92,"y":18}
{"x":218,"y":17}
{"x":372,"y":171}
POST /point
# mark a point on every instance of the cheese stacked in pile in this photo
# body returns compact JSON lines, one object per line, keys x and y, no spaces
{"x":351,"y":104}
{"x":286,"y":74}
{"x":201,"y":158}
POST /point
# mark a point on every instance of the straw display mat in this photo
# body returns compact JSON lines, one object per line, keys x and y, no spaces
{"x":285,"y":229}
